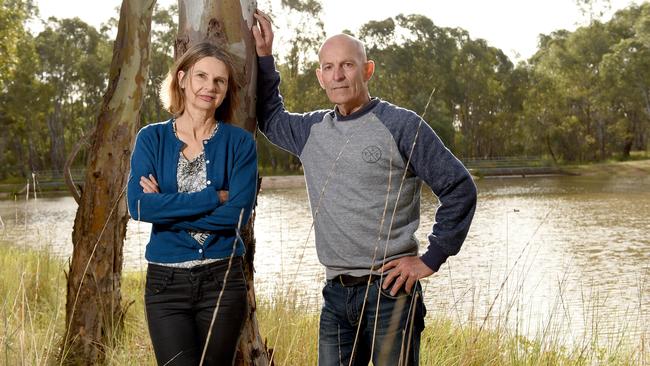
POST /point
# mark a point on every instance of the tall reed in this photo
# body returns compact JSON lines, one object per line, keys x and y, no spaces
{"x":32,"y":286}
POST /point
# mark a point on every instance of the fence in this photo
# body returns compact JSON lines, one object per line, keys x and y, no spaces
{"x":43,"y":180}
{"x":52,"y":180}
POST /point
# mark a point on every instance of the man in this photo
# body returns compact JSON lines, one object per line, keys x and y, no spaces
{"x":364,"y":163}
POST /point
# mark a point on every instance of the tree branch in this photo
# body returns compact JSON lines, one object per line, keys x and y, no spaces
{"x":67,"y":176}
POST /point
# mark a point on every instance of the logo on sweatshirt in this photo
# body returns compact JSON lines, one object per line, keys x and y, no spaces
{"x":371,"y":154}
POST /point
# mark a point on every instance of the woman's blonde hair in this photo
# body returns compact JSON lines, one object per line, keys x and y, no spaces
{"x":171,"y":93}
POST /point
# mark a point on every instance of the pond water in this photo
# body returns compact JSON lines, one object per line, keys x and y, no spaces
{"x":560,"y":257}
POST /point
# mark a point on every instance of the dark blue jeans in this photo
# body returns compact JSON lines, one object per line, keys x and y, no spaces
{"x":399,"y":323}
{"x":180,"y":304}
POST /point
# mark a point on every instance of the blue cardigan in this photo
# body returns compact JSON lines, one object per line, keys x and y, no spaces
{"x":231,"y":162}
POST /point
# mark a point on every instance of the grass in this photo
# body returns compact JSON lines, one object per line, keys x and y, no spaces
{"x":634,"y":168}
{"x":32,"y":286}
{"x":32,"y":289}
{"x":297,"y":343}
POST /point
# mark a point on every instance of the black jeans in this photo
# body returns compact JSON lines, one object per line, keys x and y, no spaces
{"x":180,"y":303}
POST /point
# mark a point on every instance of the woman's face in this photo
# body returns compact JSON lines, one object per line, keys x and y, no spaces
{"x":205,"y":84}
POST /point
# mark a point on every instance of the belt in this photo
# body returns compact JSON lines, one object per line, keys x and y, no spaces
{"x":351,"y":281}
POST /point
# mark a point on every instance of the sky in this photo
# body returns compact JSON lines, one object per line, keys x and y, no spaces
{"x":511,"y":25}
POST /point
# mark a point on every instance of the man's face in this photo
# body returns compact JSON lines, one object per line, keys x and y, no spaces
{"x":344,"y":74}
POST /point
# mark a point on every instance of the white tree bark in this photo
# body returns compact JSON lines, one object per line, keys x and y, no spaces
{"x":94,"y":310}
{"x":227,"y":23}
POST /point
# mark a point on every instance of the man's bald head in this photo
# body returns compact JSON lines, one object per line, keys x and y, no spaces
{"x":344,"y":72}
{"x":344,"y":41}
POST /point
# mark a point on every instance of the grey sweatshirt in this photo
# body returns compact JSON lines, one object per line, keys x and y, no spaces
{"x":364,"y":213}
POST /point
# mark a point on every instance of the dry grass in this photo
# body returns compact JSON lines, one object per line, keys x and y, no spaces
{"x":632,"y":168}
{"x":32,"y":286}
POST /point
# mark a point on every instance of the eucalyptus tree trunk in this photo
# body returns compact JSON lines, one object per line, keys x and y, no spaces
{"x":227,"y":23}
{"x":94,"y":310}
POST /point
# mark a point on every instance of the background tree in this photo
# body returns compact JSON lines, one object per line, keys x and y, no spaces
{"x":430,"y":51}
{"x":94,"y":310}
{"x":296,"y":64}
{"x":163,"y":36}
{"x":626,"y":73}
{"x":581,"y":97}
{"x":74,"y":70}
{"x":590,"y":88}
{"x":13,"y":16}
{"x":16,"y":44}
{"x":24,"y":143}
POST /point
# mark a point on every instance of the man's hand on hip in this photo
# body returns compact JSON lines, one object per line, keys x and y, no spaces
{"x":263,"y":34}
{"x":406,"y":271}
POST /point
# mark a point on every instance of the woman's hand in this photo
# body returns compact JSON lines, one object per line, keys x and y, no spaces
{"x":223,"y":196}
{"x":149,"y":184}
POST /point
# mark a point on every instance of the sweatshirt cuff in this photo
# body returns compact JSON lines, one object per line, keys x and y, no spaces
{"x":434,"y":258}
{"x":266,"y":63}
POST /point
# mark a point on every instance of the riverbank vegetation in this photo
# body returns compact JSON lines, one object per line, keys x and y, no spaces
{"x":635,"y":167}
{"x":32,"y":289}
{"x":582,"y":97}
{"x":638,"y":166}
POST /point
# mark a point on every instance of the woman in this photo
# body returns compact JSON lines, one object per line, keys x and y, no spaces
{"x":194,"y":178}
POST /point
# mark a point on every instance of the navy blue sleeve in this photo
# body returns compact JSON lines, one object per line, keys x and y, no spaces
{"x":289,"y":131}
{"x":241,"y":195}
{"x":432,"y":162}
{"x":161,"y":208}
